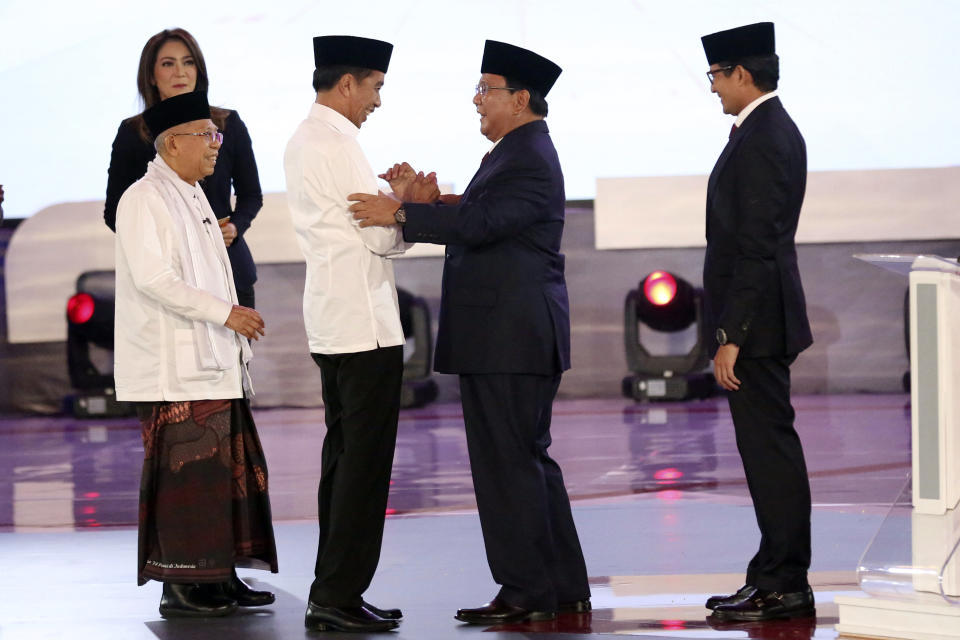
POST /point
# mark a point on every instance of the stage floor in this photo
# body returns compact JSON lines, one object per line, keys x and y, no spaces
{"x":658,"y":493}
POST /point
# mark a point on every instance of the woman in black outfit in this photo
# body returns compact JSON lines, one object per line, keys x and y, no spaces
{"x":171,"y":64}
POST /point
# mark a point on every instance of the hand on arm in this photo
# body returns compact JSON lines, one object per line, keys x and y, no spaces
{"x":723,"y":366}
{"x":245,"y":321}
{"x":374,"y":211}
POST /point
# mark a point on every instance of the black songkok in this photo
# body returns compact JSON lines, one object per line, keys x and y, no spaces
{"x":185,"y":107}
{"x":516,"y":63}
{"x":739,"y":43}
{"x":351,"y":51}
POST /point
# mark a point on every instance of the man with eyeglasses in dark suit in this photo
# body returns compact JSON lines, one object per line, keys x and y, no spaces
{"x":755,"y":304}
{"x":505,"y":329}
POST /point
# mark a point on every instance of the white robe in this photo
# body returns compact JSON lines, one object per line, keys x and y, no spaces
{"x":174,"y":292}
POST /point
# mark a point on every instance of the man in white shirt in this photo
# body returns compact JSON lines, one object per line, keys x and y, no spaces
{"x":353,"y":328}
{"x":181,"y":354}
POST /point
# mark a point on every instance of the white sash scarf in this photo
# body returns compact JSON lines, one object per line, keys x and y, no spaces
{"x":210,"y":271}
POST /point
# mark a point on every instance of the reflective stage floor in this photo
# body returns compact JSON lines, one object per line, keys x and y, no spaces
{"x":658,"y":493}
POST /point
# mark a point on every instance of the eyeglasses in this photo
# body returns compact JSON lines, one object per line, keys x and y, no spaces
{"x":713,"y":72}
{"x":483,"y":88}
{"x":213,"y":136}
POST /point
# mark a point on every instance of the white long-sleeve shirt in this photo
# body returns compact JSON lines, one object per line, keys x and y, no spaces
{"x":173,"y":295}
{"x":350,"y":298}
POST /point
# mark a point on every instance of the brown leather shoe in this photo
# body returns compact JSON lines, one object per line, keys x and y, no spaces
{"x":499,"y":612}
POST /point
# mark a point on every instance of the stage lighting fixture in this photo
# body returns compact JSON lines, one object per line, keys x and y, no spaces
{"x":418,"y":387}
{"x":666,"y":304}
{"x":90,"y":325}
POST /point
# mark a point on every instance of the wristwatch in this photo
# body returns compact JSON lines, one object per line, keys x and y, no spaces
{"x":400,"y":215}
{"x":721,"y":337}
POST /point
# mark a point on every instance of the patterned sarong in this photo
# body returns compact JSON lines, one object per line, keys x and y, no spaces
{"x":204,"y":507}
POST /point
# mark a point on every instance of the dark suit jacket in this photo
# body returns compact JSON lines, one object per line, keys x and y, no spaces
{"x":504,"y":306}
{"x":750,"y":275}
{"x":236,"y":167}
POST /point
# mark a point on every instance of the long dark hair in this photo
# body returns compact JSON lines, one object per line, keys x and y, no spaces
{"x":150,"y":95}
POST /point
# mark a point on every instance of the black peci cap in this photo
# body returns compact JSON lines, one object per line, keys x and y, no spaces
{"x":185,"y":107}
{"x":522,"y":65}
{"x":352,"y":51}
{"x":742,"y":42}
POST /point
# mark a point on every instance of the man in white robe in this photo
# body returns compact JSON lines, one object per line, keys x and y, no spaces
{"x":181,"y":353}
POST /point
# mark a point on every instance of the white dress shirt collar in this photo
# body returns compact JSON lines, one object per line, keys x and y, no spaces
{"x":335,"y":119}
{"x":747,"y":110}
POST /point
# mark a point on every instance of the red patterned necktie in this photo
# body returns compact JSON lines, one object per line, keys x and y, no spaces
{"x":485,"y":156}
{"x":733,"y":129}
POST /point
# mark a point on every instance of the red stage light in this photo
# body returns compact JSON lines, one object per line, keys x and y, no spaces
{"x":91,"y":494}
{"x":80,"y":308}
{"x":660,"y":288}
{"x":673,"y":625}
{"x":668,"y":474}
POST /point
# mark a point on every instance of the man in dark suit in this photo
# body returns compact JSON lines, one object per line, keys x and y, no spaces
{"x":755,"y":303}
{"x":505,"y":329}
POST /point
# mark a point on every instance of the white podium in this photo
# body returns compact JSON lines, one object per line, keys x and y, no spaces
{"x":910,"y":573}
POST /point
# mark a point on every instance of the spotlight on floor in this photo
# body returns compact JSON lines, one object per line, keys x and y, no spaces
{"x":90,"y":347}
{"x":668,"y":311}
{"x":418,"y":387}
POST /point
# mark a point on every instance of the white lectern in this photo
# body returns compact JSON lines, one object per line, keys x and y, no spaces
{"x":911,"y":570}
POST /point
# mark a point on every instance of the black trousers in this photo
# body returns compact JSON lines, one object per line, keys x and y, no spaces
{"x":776,"y":473}
{"x":531,"y":541}
{"x":361,"y":397}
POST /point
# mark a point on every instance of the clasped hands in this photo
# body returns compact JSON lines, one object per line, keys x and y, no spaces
{"x":408,"y":186}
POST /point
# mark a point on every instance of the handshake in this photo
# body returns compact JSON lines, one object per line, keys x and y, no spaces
{"x":408,"y":186}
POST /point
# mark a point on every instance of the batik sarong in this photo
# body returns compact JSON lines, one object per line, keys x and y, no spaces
{"x":204,"y":507}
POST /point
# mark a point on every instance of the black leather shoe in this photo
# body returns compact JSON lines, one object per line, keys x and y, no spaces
{"x":769,"y":605}
{"x":499,"y":612}
{"x":238,"y":590}
{"x":193,"y":601}
{"x":359,"y":619}
{"x":577,"y":606}
{"x":386,"y":614}
{"x":742,"y":594}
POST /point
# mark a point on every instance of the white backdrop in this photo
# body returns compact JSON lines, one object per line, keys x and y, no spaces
{"x":872,"y":83}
